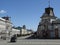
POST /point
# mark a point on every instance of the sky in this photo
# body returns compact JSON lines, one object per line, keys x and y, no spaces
{"x":27,"y":12}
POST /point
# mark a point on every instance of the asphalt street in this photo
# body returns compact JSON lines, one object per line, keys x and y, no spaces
{"x":31,"y":42}
{"x":22,"y":41}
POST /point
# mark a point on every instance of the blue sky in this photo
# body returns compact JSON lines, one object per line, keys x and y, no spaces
{"x":27,"y":12}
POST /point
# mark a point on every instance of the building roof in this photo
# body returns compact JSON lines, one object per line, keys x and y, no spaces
{"x":2,"y":19}
{"x":48,"y":13}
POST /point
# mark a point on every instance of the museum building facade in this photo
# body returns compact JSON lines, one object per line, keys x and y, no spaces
{"x":49,"y":26}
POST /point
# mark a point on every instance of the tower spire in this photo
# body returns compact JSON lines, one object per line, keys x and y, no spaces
{"x":49,"y":3}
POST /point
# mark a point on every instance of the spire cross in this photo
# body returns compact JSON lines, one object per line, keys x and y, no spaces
{"x":49,"y":3}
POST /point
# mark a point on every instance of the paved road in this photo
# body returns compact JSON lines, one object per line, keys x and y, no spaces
{"x":22,"y":41}
{"x":32,"y":42}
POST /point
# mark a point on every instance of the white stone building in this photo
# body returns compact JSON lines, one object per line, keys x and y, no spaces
{"x":6,"y":30}
{"x":49,"y":26}
{"x":15,"y":32}
{"x":5,"y":27}
{"x":23,"y":31}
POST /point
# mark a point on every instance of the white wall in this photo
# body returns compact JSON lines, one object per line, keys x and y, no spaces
{"x":23,"y":31}
{"x":5,"y":27}
{"x":15,"y":31}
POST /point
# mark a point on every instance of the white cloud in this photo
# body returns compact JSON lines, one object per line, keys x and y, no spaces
{"x":3,"y":11}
